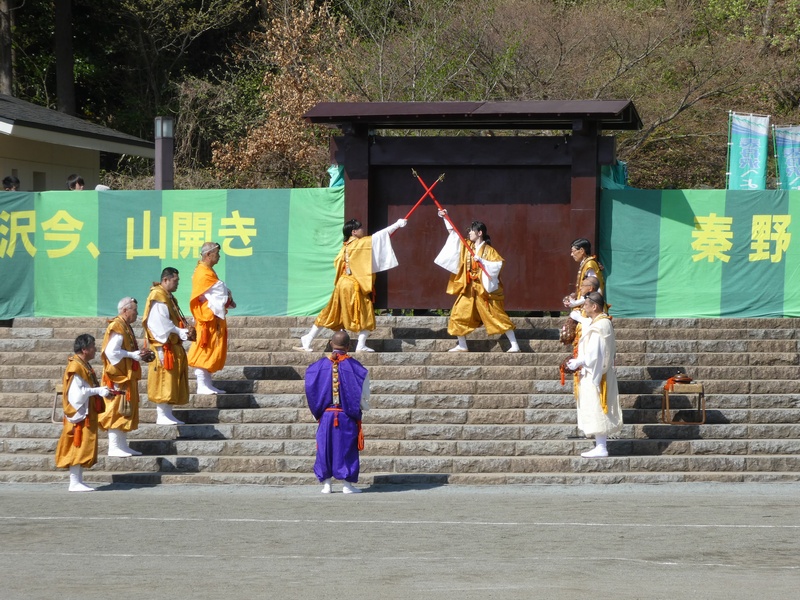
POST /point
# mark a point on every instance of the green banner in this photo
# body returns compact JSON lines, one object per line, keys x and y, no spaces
{"x":787,"y":156}
{"x":671,"y":253}
{"x":78,"y":253}
{"x":700,"y":253}
{"x":17,"y":252}
{"x":747,"y":152}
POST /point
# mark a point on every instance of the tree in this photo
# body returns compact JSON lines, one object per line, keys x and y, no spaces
{"x":6,"y":58}
{"x":297,"y":50}
{"x":65,"y":60}
{"x":162,"y":32}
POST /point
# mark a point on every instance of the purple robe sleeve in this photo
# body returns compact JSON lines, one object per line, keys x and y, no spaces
{"x":318,"y":387}
{"x":351,"y":381}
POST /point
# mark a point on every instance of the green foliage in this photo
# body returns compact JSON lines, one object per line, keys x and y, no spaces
{"x":684,"y":63}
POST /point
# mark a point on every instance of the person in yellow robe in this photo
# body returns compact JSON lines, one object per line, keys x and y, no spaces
{"x":480,"y":297}
{"x":581,"y":252}
{"x":350,"y":306}
{"x":121,"y":373}
{"x":589,"y":271}
{"x":209,"y":303}
{"x":599,"y":411}
{"x":82,"y":400}
{"x":166,"y":329}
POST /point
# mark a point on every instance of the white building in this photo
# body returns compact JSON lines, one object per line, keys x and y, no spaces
{"x":42,"y":147}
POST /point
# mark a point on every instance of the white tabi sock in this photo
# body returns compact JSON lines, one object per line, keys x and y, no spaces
{"x":204,"y":382}
{"x":599,"y":451}
{"x":76,"y":480}
{"x":361,"y":346}
{"x":461,"y":346}
{"x":309,"y":337}
{"x":512,"y":337}
{"x":164,"y":415}
{"x":348,"y":488}
{"x":117,"y":444}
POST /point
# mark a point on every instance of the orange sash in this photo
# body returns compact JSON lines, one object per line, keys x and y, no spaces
{"x":336,"y":411}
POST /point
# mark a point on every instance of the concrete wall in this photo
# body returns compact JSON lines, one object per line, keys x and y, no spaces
{"x":41,"y":166}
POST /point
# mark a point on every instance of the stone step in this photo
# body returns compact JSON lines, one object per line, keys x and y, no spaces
{"x":428,"y":464}
{"x":563,"y":400}
{"x":624,"y":331}
{"x":391,"y":448}
{"x":99,"y":478}
{"x":776,"y":386}
{"x":425,"y":431}
{"x":391,"y":340}
{"x":272,"y":328}
{"x":493,"y":416}
{"x":381,"y":371}
{"x":419,"y":324}
{"x":549,"y":357}
{"x":772,"y":379}
{"x":484,"y":416}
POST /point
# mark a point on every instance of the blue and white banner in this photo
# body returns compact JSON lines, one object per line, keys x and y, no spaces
{"x":787,"y":155}
{"x":747,"y":152}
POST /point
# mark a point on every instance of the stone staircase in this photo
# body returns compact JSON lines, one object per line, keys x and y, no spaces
{"x":438,"y":417}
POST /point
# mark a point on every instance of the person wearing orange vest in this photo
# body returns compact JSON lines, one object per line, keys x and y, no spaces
{"x":166,"y":329}
{"x":121,"y":373}
{"x":82,"y":401}
{"x":589,"y":266}
{"x":209,"y":303}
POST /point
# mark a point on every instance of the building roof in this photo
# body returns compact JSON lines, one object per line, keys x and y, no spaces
{"x":22,"y":119}
{"x":541,"y":114}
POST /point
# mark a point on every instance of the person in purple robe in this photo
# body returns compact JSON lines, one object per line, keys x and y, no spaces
{"x":337,"y":390}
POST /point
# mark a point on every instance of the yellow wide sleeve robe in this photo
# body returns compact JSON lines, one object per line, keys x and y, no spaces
{"x":208,"y":304}
{"x":123,"y":375}
{"x":351,"y":303}
{"x":77,"y":444}
{"x":168,"y":374}
{"x":480,"y":296}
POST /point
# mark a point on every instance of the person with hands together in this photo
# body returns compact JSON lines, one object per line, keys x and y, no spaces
{"x":121,"y":373}
{"x":165,"y":330}
{"x":82,"y":401}
{"x":599,"y":412}
{"x":209,"y":303}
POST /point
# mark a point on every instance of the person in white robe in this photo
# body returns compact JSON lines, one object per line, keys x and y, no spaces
{"x":599,"y":412}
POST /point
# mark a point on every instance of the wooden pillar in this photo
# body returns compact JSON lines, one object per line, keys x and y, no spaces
{"x":585,"y":181}
{"x":352,"y":151}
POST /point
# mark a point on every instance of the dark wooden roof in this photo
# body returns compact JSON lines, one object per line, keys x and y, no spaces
{"x":544,"y":114}
{"x":15,"y":112}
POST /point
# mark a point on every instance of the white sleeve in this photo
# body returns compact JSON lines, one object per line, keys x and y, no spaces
{"x":159,"y":323}
{"x":449,"y":258}
{"x":595,"y":357}
{"x":217,"y":298}
{"x":78,"y":396}
{"x":578,"y":302}
{"x":383,"y":257}
{"x":113,"y":350}
{"x":492,"y":282}
{"x":577,"y":315}
{"x":365,"y":394}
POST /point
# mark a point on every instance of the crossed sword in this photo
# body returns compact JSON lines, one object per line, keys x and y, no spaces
{"x":429,"y":194}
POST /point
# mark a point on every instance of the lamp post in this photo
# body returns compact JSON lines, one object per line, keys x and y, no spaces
{"x":165,"y":147}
